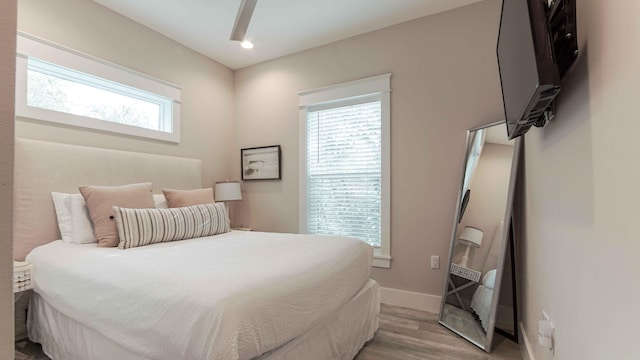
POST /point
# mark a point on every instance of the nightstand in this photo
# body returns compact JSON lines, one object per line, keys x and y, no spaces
{"x":473,"y":277}
{"x":22,"y":285}
{"x":21,"y":278}
{"x":242,"y":229}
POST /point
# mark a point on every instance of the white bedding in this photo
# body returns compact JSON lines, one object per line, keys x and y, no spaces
{"x":340,"y":337}
{"x":231,"y":296}
{"x":482,"y":297}
{"x":481,"y":304}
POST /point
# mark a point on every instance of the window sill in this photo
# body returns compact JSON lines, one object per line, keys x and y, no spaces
{"x":380,"y":260}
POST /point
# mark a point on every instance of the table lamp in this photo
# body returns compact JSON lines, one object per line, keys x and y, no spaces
{"x":228,"y":191}
{"x":471,"y":237}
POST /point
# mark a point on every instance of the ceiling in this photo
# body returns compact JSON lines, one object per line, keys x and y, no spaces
{"x":277,"y":28}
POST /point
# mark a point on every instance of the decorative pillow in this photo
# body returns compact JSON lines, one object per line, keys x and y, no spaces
{"x":101,"y":199}
{"x":74,"y":220}
{"x":181,"y":198}
{"x":138,"y":227}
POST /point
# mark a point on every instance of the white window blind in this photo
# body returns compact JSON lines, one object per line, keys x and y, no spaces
{"x":344,"y":170}
{"x":345,"y":143}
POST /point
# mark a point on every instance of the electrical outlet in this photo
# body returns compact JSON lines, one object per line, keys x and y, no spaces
{"x":435,"y":261}
{"x":546,"y":332}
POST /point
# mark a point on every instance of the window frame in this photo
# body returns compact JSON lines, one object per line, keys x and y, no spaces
{"x":338,"y":95}
{"x":29,"y":46}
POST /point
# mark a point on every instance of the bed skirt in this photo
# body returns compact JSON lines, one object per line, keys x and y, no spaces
{"x":340,"y":336}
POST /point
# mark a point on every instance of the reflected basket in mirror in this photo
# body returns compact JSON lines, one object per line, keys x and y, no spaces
{"x":466,"y":273}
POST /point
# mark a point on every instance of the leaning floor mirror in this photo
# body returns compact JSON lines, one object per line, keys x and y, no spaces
{"x":480,"y":235}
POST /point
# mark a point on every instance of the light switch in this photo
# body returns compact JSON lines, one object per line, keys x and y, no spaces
{"x":435,"y":261}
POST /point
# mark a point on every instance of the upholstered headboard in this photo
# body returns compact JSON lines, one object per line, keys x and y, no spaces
{"x":42,"y":167}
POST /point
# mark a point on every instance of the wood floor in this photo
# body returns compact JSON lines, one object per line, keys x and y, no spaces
{"x":404,"y":334}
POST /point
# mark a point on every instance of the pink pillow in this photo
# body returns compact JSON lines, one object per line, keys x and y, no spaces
{"x":181,"y":198}
{"x":101,"y":199}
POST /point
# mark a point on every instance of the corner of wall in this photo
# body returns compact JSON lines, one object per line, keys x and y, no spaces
{"x":8,"y":18}
{"x":525,"y":345}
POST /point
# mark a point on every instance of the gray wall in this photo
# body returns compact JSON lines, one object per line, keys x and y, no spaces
{"x":7,"y":84}
{"x":444,"y":81}
{"x":207,"y":125}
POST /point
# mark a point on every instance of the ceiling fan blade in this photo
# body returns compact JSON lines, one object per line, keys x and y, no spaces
{"x":242,"y":20}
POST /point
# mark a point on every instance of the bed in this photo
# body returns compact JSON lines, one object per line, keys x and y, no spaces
{"x":234,"y":295}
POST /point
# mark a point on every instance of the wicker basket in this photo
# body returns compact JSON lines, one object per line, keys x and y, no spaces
{"x":22,"y":276}
{"x":466,"y":273}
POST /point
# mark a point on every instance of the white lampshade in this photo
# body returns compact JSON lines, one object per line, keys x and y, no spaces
{"x":471,"y":236}
{"x":228,"y":191}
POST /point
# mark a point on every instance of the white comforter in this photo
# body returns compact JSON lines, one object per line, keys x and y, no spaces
{"x":230,"y":296}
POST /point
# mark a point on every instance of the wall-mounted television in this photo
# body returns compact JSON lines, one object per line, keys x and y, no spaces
{"x":537,"y":44}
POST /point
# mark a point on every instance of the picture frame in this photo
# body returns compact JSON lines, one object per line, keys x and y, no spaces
{"x":261,"y":163}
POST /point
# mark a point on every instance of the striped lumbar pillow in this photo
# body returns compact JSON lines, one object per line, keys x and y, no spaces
{"x":138,"y":227}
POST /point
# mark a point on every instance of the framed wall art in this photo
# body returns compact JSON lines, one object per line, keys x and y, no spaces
{"x":261,"y":163}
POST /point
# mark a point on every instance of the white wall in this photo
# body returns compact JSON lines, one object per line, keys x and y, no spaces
{"x":207,"y":126}
{"x":444,"y":81}
{"x":7,"y":84}
{"x":580,"y":246}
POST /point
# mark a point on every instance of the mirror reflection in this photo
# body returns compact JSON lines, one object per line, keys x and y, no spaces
{"x":480,"y":234}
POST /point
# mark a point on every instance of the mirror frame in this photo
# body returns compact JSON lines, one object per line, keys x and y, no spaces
{"x":506,"y":232}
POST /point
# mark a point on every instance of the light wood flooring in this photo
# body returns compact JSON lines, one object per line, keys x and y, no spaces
{"x":465,"y":322}
{"x":404,"y":334}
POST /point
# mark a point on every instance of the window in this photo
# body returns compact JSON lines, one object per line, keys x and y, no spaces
{"x":344,"y":171}
{"x":59,"y":85}
{"x":345,"y":185}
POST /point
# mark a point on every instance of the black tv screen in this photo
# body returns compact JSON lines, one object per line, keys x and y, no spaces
{"x":528,"y":73}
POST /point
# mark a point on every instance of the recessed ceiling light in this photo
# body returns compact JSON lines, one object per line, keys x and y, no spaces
{"x":247,"y":44}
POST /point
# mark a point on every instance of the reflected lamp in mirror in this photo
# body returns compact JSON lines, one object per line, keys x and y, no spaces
{"x":470,"y":237}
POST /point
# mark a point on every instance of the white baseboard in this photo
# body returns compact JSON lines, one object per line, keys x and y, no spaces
{"x":525,"y":346}
{"x":412,"y":300}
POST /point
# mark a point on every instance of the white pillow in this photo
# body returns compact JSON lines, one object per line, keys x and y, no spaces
{"x":160,"y":201}
{"x":62,"y":204}
{"x":73,"y":218}
{"x":81,"y":224}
